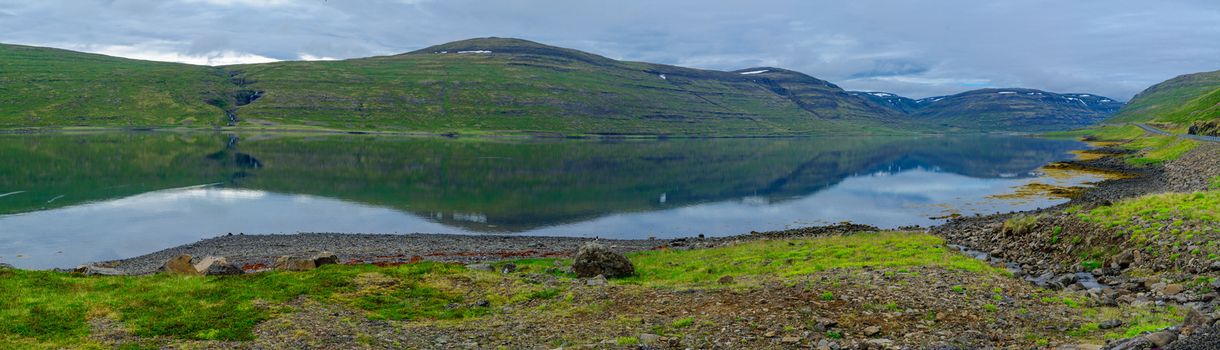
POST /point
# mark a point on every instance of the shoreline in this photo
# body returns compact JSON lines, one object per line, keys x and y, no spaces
{"x":261,"y":250}
{"x":255,"y":252}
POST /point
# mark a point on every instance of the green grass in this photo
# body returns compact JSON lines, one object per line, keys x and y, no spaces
{"x":797,"y":257}
{"x":683,"y":322}
{"x":1116,"y":133}
{"x":1021,"y":224}
{"x":53,"y":307}
{"x":623,"y":341}
{"x":1159,"y":149}
{"x":1175,"y":214}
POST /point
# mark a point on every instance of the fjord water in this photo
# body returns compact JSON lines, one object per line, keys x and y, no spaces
{"x":67,"y":199}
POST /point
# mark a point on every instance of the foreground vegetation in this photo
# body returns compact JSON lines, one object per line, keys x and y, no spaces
{"x":1148,"y":149}
{"x":53,"y":310}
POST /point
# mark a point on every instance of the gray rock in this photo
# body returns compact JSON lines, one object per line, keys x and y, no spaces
{"x":1162,"y":338}
{"x":508,"y":268}
{"x":872,"y":331}
{"x":1123,"y":260}
{"x":649,"y":339}
{"x":290,"y":263}
{"x":596,"y":281}
{"x":325,"y":258}
{"x":1063,"y":281}
{"x":179,"y":265}
{"x":1173,"y":289}
{"x":1194,"y":318}
{"x":91,"y":270}
{"x":1110,"y":324}
{"x":1137,"y":343}
{"x":217,"y":266}
{"x":594,"y":259}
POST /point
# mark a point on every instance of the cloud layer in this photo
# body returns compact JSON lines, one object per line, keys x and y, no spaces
{"x":914,"y":48}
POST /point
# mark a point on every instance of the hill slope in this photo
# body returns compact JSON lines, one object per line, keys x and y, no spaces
{"x":1011,"y":109}
{"x":510,"y":84}
{"x":491,"y":85}
{"x":1183,"y":100}
{"x":477,"y":85}
{"x":51,"y":87}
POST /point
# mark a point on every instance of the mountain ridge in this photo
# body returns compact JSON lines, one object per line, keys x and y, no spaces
{"x":479,"y":85}
{"x":1002,"y":108}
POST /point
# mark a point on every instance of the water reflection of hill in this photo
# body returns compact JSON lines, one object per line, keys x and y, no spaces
{"x":489,"y":185}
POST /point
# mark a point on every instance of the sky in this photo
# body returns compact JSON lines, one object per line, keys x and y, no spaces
{"x":1114,"y":48}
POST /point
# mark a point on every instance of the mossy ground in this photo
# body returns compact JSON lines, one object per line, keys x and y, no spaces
{"x":895,"y":279}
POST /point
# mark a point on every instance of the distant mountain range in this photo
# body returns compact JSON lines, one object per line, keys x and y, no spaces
{"x":495,"y":85}
{"x":1012,"y":109}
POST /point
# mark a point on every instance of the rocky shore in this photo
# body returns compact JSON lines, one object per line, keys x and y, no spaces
{"x":1055,"y":248}
{"x":256,"y":252}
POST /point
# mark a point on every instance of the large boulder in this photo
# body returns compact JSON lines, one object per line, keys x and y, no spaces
{"x":291,"y":263}
{"x":594,"y":259}
{"x":94,"y":270}
{"x":217,"y":266}
{"x":325,"y":258}
{"x":179,"y":265}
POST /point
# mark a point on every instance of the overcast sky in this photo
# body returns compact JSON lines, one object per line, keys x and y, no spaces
{"x":914,"y":48}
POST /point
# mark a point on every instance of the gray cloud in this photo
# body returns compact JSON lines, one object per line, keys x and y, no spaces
{"x":918,"y":49}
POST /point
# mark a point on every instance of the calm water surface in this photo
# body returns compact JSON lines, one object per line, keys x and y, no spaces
{"x":70,"y":199}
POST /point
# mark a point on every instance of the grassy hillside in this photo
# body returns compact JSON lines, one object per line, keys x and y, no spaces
{"x":515,"y":85}
{"x":471,"y":86}
{"x":492,"y":85}
{"x":1181,"y":100}
{"x":42,"y":87}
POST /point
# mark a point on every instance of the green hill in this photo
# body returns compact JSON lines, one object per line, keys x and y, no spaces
{"x":493,"y":85}
{"x":477,"y":85}
{"x":42,"y":87}
{"x":497,"y":84}
{"x":1182,"y":100}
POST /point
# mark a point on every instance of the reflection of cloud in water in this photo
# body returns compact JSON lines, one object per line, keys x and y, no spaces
{"x":157,"y":220}
{"x":892,"y":200}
